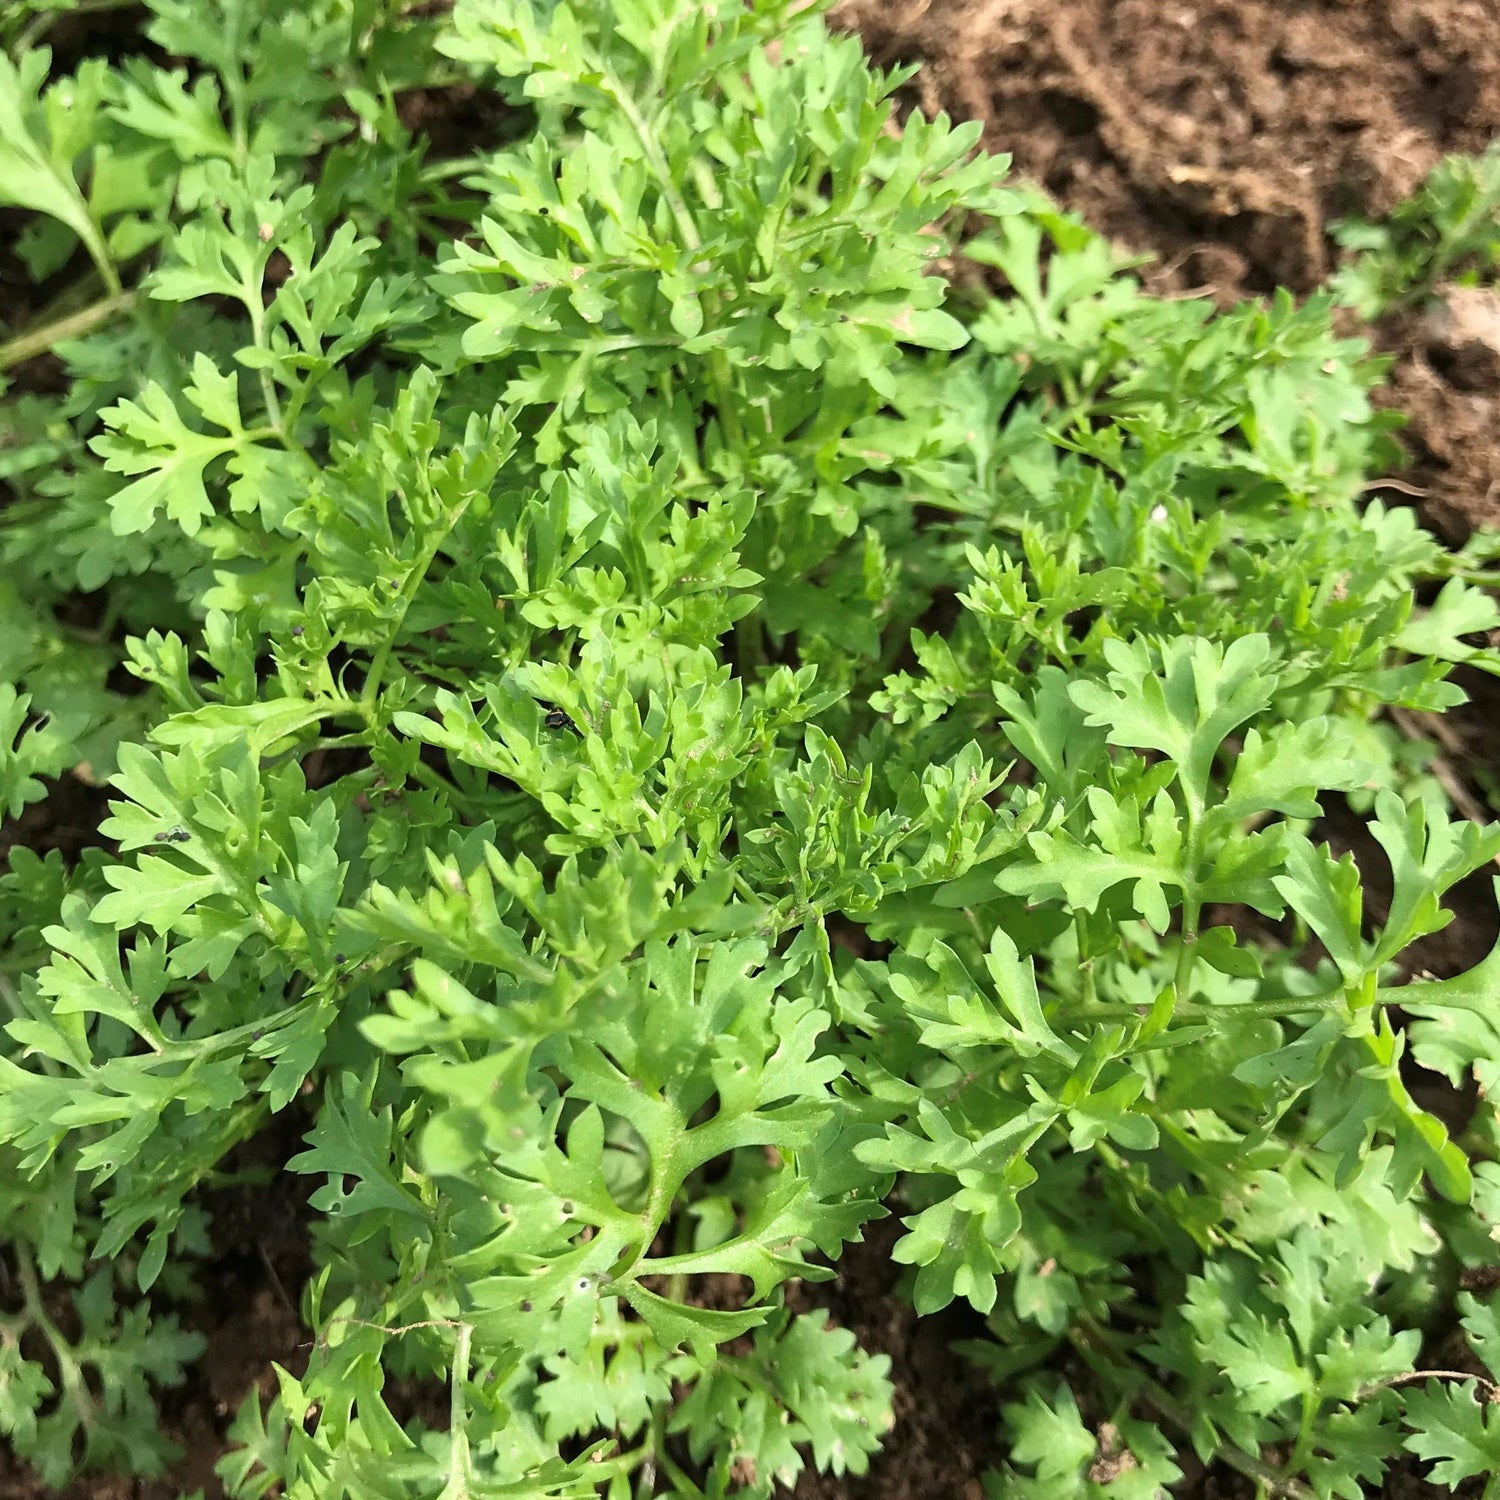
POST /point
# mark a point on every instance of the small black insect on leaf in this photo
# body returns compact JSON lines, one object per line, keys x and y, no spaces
{"x":557,"y":718}
{"x":172,"y":836}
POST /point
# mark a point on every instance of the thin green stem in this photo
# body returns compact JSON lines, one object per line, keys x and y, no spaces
{"x":645,"y":1481}
{"x":257,"y":311}
{"x":1192,"y":903}
{"x":40,"y":338}
{"x":749,"y":647}
{"x":235,"y":90}
{"x":1241,"y":1462}
{"x":1182,"y":974}
{"x":74,"y":1389}
{"x":1332,"y":1001}
{"x":458,"y":1415}
{"x":1085,"y":965}
{"x":1428,"y":994}
{"x":11,"y":999}
{"x":719,"y":373}
{"x":656,"y":159}
{"x":677,"y":1283}
{"x":429,"y":777}
{"x":1298,"y":1457}
{"x":409,"y":589}
{"x":685,"y":1486}
{"x":93,"y":242}
{"x":83,"y":289}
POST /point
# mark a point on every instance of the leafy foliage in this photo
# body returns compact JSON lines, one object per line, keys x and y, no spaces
{"x":1458,"y":1424}
{"x":1448,"y":229}
{"x":658,"y":733}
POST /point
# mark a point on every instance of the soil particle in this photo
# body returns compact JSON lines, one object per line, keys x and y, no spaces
{"x":1447,"y":380}
{"x":1462,"y":333}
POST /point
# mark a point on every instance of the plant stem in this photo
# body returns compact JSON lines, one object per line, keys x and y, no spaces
{"x":89,"y":287}
{"x":75,"y":1390}
{"x":1241,"y":1462}
{"x":458,"y":1415}
{"x":645,"y":1481}
{"x":1426,"y":993}
{"x":408,"y":592}
{"x":684,"y":1485}
{"x":267,"y":385}
{"x":48,"y":1065}
{"x":39,"y":339}
{"x":1192,"y":903}
{"x":11,"y":999}
{"x":1259,"y":1010}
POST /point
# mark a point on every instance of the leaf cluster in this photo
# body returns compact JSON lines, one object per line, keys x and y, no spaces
{"x":650,"y":731}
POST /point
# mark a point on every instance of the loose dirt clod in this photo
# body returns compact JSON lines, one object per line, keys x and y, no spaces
{"x":1462,"y":333}
{"x":1447,"y":380}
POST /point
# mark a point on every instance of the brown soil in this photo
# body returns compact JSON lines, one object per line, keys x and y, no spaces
{"x":1447,"y":378}
{"x":67,"y":819}
{"x":947,"y":1412}
{"x":1222,"y":137}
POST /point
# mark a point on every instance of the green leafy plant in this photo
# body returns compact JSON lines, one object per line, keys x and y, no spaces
{"x":656,"y":734}
{"x":1449,"y":229}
